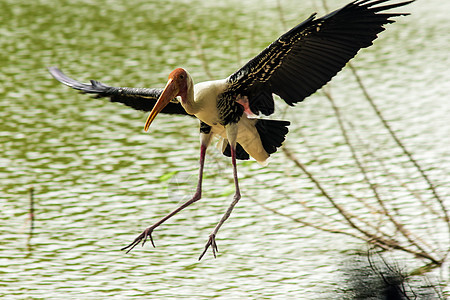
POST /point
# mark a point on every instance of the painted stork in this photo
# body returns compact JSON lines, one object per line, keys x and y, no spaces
{"x":293,"y":67}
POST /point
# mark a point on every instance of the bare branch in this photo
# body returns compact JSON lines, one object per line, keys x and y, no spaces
{"x":200,"y":53}
{"x":373,"y":187}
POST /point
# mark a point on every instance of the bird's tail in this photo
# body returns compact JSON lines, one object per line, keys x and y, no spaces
{"x":272,"y":133}
{"x":240,"y":152}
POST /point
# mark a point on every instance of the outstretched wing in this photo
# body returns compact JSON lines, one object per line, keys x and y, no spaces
{"x":137,"y":98}
{"x":305,"y":58}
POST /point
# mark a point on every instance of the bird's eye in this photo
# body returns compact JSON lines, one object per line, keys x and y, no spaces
{"x":182,"y":76}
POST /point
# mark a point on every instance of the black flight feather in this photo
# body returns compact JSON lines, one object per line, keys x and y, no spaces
{"x":138,"y":98}
{"x":306,"y":57}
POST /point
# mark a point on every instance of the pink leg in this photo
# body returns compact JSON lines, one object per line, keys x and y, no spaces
{"x":147,"y":233}
{"x":212,"y":238}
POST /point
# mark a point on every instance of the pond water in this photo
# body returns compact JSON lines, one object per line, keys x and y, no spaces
{"x":99,"y":180}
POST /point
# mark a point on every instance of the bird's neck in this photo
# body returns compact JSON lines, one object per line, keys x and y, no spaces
{"x":188,"y":101}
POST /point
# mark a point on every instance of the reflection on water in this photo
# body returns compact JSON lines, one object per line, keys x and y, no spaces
{"x":99,"y":180}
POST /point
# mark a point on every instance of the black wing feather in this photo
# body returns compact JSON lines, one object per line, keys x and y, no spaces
{"x":138,"y":98}
{"x":306,"y":57}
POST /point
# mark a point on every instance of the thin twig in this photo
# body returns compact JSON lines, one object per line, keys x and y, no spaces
{"x":371,"y":209}
{"x":237,"y":44}
{"x":305,"y":223}
{"x":387,"y":172}
{"x":398,"y":142}
{"x":200,"y":53}
{"x":302,"y":203}
{"x":31,"y":218}
{"x":328,"y":217}
{"x":407,"y":234}
{"x":402,"y":146}
{"x":347,"y":216}
{"x":325,"y":5}
{"x":372,"y":238}
{"x":281,"y":14}
{"x":31,"y":213}
{"x":375,"y":240}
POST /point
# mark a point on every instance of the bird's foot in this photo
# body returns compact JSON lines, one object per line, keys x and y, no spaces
{"x":211,"y":242}
{"x":147,"y":233}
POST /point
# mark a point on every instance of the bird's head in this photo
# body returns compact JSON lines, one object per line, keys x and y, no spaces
{"x":178,"y":85}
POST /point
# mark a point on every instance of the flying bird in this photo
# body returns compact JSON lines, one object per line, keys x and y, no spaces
{"x":293,"y":67}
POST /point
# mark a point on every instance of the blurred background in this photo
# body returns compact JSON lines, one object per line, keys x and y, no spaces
{"x":98,"y":180}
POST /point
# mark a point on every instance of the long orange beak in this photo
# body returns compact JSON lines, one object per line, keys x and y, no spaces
{"x":170,"y":92}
